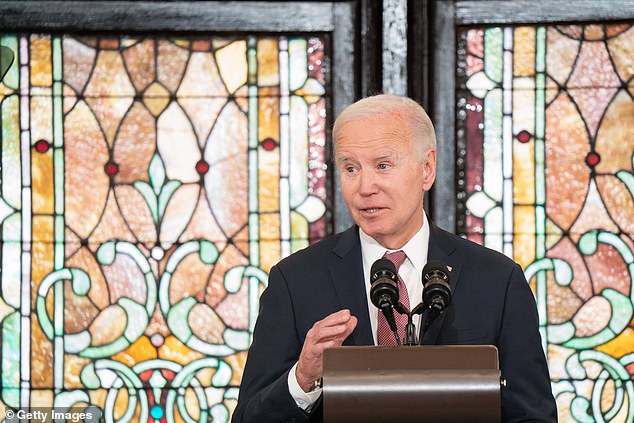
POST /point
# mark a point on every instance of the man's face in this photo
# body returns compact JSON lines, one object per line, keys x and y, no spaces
{"x":383,"y":178}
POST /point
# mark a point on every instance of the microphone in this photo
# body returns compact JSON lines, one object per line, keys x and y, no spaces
{"x":436,"y":288}
{"x":383,"y":284}
{"x":384,"y":291}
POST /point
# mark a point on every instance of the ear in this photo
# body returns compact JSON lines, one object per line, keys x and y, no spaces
{"x":429,"y":169}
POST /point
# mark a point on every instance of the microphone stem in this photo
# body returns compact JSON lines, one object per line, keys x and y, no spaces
{"x":398,"y":340}
{"x":410,"y":331}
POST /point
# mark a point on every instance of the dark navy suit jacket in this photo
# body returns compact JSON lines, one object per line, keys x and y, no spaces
{"x":492,"y":304}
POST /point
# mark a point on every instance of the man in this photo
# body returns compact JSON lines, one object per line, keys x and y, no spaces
{"x":319,"y":297}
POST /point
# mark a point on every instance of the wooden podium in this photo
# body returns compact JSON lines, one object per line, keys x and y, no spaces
{"x":456,"y":383}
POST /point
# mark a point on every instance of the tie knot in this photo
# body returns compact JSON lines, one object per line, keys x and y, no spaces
{"x":397,"y":257}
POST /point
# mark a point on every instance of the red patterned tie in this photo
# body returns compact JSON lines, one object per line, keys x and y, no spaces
{"x":385,"y":336}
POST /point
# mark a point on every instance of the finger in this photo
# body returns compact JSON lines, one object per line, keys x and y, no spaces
{"x":341,"y":316}
{"x":348,"y":330}
{"x":321,"y":333}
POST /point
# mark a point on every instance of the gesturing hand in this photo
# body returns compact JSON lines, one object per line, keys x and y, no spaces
{"x":326,"y":333}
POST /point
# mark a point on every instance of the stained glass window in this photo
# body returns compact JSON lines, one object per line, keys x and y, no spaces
{"x":148,"y":185}
{"x":545,"y":130}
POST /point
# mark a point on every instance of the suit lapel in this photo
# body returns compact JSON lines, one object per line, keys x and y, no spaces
{"x":346,"y":273}
{"x":441,"y":248}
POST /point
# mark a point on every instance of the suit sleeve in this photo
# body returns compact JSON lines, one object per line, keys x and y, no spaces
{"x":527,"y":396}
{"x":264,"y":395}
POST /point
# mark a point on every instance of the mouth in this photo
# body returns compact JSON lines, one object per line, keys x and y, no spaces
{"x":371,"y":210}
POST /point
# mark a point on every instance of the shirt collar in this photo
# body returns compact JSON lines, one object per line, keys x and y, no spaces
{"x":415,"y":249}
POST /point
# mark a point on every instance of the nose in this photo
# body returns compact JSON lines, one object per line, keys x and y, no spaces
{"x":367,"y":183}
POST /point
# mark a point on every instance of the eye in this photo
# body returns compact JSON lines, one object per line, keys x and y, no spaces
{"x":383,"y":166}
{"x":350,"y":169}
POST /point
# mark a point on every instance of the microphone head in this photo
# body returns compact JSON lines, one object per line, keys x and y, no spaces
{"x":382,"y":267}
{"x":435,"y":268}
{"x":436,"y":288}
{"x":383,"y":284}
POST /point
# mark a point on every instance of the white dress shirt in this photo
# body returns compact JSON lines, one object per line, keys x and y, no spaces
{"x":411,"y":272}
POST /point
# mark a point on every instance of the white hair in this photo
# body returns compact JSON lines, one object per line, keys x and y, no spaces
{"x":403,"y":111}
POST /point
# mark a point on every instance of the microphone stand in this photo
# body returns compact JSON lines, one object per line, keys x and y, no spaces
{"x":428,"y":318}
{"x":410,"y":328}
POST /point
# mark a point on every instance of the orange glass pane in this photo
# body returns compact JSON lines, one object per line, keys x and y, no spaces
{"x":78,"y":59}
{"x":135,"y":144}
{"x":227,"y":176}
{"x":86,"y":183}
{"x":140,"y":62}
{"x":141,"y":350}
{"x":621,"y":50}
{"x":567,"y":175}
{"x":562,"y":52}
{"x":171,"y":64}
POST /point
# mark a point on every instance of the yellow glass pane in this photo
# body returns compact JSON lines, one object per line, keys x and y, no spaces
{"x":232,"y":64}
{"x":41,"y":61}
{"x":156,"y":98}
{"x":73,"y":364}
{"x":42,"y":118}
{"x":524,"y":51}
{"x":237,"y":362}
{"x":269,"y":244}
{"x":42,"y":252}
{"x":41,"y":356}
{"x":175,"y":350}
{"x":42,"y":180}
{"x":268,"y":116}
{"x":269,"y":181}
{"x":299,"y":226}
{"x":268,"y":68}
{"x":524,"y":237}
{"x":524,"y":172}
{"x":41,"y":398}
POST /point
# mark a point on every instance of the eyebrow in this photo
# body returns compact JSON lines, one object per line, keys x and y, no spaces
{"x":343,"y":157}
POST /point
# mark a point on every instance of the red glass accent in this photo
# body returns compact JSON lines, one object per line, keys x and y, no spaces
{"x":111,"y":168}
{"x":269,"y":144}
{"x":592,"y":159}
{"x":524,"y":136}
{"x":42,"y":146}
{"x":202,"y":167}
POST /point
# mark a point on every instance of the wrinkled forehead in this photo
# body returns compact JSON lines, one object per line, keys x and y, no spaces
{"x":375,"y":133}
